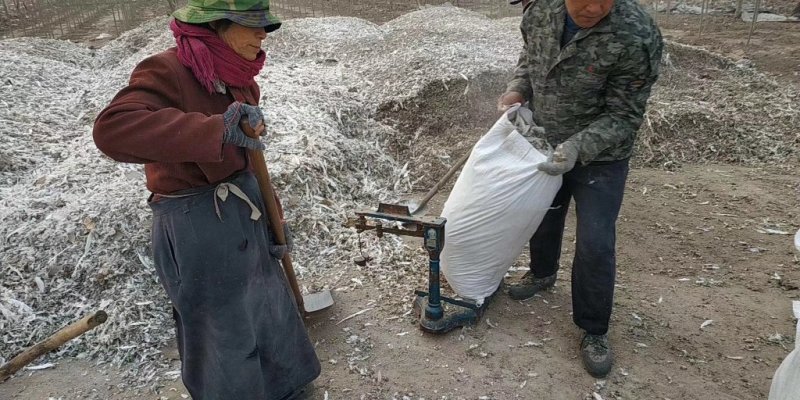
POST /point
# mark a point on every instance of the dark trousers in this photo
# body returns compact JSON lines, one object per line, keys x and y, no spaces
{"x":240,"y":335}
{"x":597,"y":189}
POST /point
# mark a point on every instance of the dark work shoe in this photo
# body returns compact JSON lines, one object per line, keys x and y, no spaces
{"x":304,"y":393}
{"x":530,"y":285}
{"x":596,"y":354}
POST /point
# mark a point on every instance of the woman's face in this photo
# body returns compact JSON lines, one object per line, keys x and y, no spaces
{"x":245,"y":41}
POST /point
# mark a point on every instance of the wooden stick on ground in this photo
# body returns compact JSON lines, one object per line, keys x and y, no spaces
{"x":54,"y":341}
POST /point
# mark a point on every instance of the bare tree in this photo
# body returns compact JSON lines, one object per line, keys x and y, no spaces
{"x":703,"y":10}
{"x":796,"y":11}
{"x":655,"y":11}
{"x":756,"y":10}
{"x":738,"y":13}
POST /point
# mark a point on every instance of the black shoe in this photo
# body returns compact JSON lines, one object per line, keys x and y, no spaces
{"x":531,"y":285}
{"x":596,"y":354}
{"x":304,"y":393}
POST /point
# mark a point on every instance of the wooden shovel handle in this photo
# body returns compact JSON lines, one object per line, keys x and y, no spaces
{"x":435,"y":189}
{"x":57,"y":339}
{"x":275,"y":221}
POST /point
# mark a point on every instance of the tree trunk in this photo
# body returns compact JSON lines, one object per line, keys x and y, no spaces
{"x":669,"y":10}
{"x":703,"y":9}
{"x":738,"y":13}
{"x":655,"y":11}
{"x":756,"y":9}
{"x":796,"y":11}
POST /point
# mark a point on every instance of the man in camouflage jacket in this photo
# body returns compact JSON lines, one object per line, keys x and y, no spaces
{"x":586,"y":71}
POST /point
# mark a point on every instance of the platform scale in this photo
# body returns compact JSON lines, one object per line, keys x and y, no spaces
{"x":437,"y":313}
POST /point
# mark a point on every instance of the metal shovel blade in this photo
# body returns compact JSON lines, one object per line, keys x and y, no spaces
{"x":414,"y":206}
{"x":317,"y":301}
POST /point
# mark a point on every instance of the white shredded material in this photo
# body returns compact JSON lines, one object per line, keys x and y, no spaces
{"x":74,"y":236}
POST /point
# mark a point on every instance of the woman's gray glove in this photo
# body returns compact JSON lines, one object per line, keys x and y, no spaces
{"x":233,"y":118}
{"x":287,"y":233}
{"x":277,"y":250}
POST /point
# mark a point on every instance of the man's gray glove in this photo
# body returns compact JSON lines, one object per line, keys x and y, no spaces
{"x":233,"y":131}
{"x":562,"y":160}
{"x":522,"y":118}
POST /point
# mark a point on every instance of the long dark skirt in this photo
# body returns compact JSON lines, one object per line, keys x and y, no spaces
{"x":239,"y":333}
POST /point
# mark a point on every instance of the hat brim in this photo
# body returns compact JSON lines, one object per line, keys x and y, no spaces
{"x":251,"y":19}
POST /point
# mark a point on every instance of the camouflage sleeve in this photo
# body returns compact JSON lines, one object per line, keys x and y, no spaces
{"x":521,"y":82}
{"x":627,"y":91}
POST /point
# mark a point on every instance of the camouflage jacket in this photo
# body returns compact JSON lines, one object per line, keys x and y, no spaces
{"x":595,"y":89}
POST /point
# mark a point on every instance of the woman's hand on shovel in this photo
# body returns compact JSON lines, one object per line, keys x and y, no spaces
{"x":242,"y":123}
{"x":259,"y":130}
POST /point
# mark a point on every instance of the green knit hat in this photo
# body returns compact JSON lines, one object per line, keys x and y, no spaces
{"x":249,"y":13}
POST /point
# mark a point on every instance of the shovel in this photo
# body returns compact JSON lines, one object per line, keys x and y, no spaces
{"x":519,"y":114}
{"x":305,"y":304}
{"x":418,"y":206}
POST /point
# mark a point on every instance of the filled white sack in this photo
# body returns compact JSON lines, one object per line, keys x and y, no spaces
{"x":495,"y":207}
{"x":786,"y":381}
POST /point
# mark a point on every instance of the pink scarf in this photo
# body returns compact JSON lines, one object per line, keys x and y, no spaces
{"x":211,"y":59}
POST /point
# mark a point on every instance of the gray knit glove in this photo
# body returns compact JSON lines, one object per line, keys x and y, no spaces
{"x":287,"y":233}
{"x":278,"y":250}
{"x":233,"y":132}
{"x":562,"y":160}
{"x":522,"y":118}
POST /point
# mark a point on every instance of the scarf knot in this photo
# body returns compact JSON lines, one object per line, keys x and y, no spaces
{"x":211,"y":60}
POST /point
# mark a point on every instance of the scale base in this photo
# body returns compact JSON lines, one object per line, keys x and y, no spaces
{"x":457,"y":314}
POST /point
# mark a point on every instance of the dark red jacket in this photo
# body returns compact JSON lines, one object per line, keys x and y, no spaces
{"x":166,"y":120}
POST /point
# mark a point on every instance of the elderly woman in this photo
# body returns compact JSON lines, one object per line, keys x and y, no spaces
{"x":186,"y":115}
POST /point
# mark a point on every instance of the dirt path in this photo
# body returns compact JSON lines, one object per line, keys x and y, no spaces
{"x":690,"y":251}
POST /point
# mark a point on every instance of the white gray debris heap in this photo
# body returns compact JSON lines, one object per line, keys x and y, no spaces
{"x":75,"y":225}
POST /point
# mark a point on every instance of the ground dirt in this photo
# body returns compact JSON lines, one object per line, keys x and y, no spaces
{"x":690,"y":250}
{"x":693,"y":247}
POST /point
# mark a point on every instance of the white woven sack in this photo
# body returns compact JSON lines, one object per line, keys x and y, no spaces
{"x":495,"y":207}
{"x":786,"y":381}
